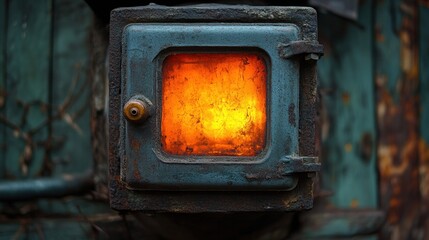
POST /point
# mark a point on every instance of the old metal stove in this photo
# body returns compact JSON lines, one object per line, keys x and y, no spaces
{"x":212,"y":108}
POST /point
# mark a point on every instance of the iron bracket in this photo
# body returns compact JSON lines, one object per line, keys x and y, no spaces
{"x":311,"y":50}
{"x":300,"y":164}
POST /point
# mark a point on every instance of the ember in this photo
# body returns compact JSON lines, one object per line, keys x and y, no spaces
{"x":214,"y":104}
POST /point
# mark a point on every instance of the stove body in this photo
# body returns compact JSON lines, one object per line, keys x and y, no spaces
{"x":175,"y":73}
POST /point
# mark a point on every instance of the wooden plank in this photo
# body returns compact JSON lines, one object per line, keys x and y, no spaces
{"x":28,"y":48}
{"x":3,"y":9}
{"x":397,"y":79}
{"x":348,"y":114}
{"x":70,"y":86}
{"x":424,"y":114}
{"x":71,"y":139}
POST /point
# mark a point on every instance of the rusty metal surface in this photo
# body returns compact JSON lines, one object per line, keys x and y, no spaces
{"x":424,"y":112}
{"x":299,"y":198}
{"x":216,"y":170}
{"x":215,"y":201}
{"x":397,"y":116}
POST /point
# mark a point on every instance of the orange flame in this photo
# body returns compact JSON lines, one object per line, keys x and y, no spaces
{"x":214,"y":104}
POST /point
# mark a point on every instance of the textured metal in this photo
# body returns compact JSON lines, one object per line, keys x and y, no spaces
{"x":162,"y":171}
{"x":300,"y":186}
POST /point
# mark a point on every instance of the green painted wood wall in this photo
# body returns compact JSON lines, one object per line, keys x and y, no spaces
{"x":348,"y":112}
{"x":44,"y":115}
{"x":374,"y":85}
{"x":374,"y":90}
{"x":45,"y":79}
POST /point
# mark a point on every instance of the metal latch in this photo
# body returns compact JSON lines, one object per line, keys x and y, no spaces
{"x":310,"y":50}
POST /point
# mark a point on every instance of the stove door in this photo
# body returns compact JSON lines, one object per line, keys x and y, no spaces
{"x":220,"y":106}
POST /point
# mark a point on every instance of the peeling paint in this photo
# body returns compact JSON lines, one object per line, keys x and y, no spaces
{"x":397,"y":116}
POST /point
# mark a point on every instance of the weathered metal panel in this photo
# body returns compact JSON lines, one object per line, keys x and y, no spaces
{"x":27,"y":53}
{"x":424,"y":113}
{"x":71,"y":139}
{"x":141,"y":143}
{"x":397,"y":80}
{"x":348,"y":114}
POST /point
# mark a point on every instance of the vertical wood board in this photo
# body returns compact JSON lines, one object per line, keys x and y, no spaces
{"x":424,"y":114}
{"x":28,"y":48}
{"x":70,"y":87}
{"x":3,"y":24}
{"x":396,"y":80}
{"x":348,"y":115}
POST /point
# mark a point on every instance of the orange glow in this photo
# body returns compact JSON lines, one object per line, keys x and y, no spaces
{"x":214,"y":104}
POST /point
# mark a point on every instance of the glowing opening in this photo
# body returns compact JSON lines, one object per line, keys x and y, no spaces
{"x":214,"y":104}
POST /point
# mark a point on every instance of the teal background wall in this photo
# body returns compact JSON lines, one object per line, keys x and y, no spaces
{"x":374,"y":85}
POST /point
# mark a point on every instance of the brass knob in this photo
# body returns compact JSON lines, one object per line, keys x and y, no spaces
{"x":136,"y":110}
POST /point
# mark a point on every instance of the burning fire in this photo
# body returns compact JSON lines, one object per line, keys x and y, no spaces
{"x":214,"y":104}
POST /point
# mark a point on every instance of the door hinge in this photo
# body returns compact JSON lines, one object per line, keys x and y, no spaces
{"x":310,"y":50}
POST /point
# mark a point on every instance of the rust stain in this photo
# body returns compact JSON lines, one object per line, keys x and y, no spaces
{"x":346,"y":98}
{"x":398,"y":145}
{"x":290,"y":201}
{"x":387,"y":167}
{"x":424,"y":169}
{"x":135,"y":144}
{"x":348,"y":147}
{"x":136,"y":172}
{"x":354,"y":203}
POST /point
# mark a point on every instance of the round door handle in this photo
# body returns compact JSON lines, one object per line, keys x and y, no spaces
{"x":137,"y":109}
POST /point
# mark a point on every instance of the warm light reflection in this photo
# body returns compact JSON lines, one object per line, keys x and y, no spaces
{"x":214,"y":104}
